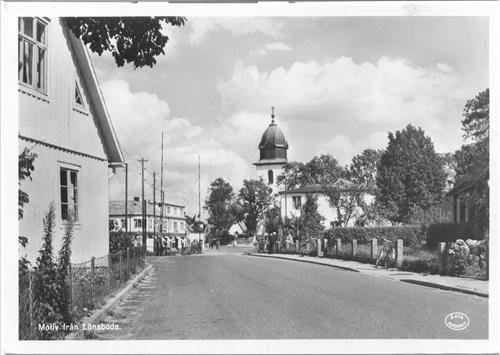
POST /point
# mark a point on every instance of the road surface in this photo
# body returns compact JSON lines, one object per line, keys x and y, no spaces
{"x":228,"y":295}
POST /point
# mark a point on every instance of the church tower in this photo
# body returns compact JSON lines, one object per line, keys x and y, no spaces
{"x":273,"y":154}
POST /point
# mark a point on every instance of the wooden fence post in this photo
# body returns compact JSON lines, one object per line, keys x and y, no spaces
{"x":399,"y":252}
{"x":373,"y":249}
{"x":92,"y":282}
{"x":120,"y":263}
{"x":338,"y":246}
{"x":354,"y":251}
{"x":441,"y":257}
{"x":128,"y":263}
{"x":320,"y":248}
{"x":109,"y":272}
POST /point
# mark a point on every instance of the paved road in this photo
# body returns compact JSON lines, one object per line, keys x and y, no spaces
{"x":226,"y":295}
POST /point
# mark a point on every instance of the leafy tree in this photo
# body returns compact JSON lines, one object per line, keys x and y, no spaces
{"x":195,"y":225}
{"x":45,"y":286}
{"x":273,"y":221}
{"x":363,"y":168}
{"x":323,"y":169}
{"x":473,"y":158}
{"x":310,"y":223}
{"x":220,"y":205}
{"x":135,"y":40}
{"x":26,"y":167}
{"x":410,"y":174}
{"x":254,"y":200}
{"x":348,"y":200}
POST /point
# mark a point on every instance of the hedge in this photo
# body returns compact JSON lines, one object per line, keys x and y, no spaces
{"x":450,"y":232}
{"x":412,"y":235}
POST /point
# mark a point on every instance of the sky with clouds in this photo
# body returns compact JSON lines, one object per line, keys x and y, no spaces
{"x":339,"y":85}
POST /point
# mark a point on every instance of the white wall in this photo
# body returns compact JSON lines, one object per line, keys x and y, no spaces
{"x":54,"y":118}
{"x":262,"y":172}
{"x":91,"y":231}
{"x":324,"y":207}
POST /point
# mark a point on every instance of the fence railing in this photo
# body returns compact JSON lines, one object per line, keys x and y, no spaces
{"x":447,"y":260}
{"x":90,"y":283}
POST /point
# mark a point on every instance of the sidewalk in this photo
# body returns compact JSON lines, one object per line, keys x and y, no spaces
{"x":458,"y":284}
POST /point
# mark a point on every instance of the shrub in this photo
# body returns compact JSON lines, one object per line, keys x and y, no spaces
{"x":45,"y":288}
{"x":120,"y":241}
{"x":450,"y":232}
{"x":412,"y":235}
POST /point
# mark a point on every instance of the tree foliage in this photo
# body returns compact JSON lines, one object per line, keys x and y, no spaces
{"x":410,"y":174}
{"x":310,"y":222}
{"x":364,"y":167}
{"x":220,"y":205}
{"x":26,"y":166}
{"x":254,"y":200}
{"x":473,"y":158}
{"x":347,"y":198}
{"x":323,"y":169}
{"x":136,"y":40}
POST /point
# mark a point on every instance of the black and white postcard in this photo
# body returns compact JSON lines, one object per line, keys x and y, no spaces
{"x":250,"y":178}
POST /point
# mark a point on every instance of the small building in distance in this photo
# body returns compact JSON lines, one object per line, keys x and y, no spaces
{"x":173,"y":227}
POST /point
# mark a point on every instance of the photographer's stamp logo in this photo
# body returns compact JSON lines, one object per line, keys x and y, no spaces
{"x":457,"y":321}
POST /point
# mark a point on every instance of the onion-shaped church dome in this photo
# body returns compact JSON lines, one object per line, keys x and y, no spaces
{"x":273,"y":145}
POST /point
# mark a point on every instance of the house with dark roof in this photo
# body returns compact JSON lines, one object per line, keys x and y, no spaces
{"x":171,"y":229}
{"x":292,"y":201}
{"x":63,"y":120}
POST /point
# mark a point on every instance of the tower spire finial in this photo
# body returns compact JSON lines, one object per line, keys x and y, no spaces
{"x":272,"y":114}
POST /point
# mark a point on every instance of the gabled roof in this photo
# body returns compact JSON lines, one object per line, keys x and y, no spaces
{"x":99,"y":110}
{"x":341,"y":184}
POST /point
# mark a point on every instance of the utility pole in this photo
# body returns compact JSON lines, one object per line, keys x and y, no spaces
{"x":126,"y":198}
{"x":199,"y":201}
{"x":154,"y":214}
{"x":142,"y":161}
{"x":161,"y":187}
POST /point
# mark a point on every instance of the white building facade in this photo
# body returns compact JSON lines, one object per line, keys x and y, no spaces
{"x":63,"y":120}
{"x":292,"y":201}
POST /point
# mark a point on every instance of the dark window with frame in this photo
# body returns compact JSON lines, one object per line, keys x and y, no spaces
{"x":32,"y":51}
{"x":78,"y":95}
{"x":69,"y":193}
{"x":297,"y":202}
{"x":270,"y":176}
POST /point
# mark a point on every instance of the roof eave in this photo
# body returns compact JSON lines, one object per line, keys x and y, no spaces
{"x":112,"y":146}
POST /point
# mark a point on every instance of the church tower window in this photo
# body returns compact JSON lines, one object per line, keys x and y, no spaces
{"x":270,"y":176}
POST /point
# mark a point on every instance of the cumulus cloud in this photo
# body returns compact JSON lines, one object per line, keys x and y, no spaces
{"x":138,"y":119}
{"x":275,"y":46}
{"x":201,"y":27}
{"x":391,"y":92}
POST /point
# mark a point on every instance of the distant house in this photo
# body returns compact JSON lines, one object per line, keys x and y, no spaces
{"x":63,"y":118}
{"x":238,"y":228}
{"x":291,"y":201}
{"x":174,"y":221}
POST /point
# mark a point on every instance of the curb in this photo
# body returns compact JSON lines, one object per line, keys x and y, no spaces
{"x":410,"y":281}
{"x":305,"y":261}
{"x":444,"y":287}
{"x":101,"y":313}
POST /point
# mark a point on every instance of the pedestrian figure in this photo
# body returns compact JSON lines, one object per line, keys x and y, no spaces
{"x":387,"y":254}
